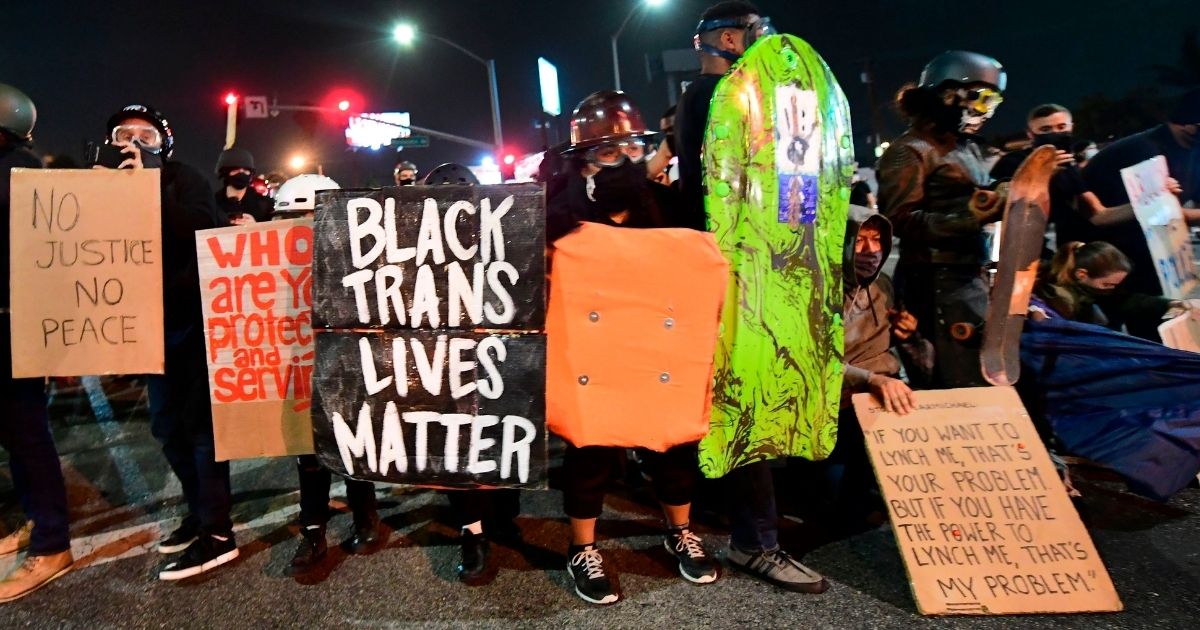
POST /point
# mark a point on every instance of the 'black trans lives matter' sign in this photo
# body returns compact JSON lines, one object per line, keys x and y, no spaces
{"x":429,"y":303}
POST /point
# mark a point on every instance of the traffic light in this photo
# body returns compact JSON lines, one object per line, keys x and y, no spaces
{"x":507,"y":160}
{"x":231,"y":99}
{"x":341,"y":103}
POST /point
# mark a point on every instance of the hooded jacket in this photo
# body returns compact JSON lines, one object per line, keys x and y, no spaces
{"x":865,"y":309}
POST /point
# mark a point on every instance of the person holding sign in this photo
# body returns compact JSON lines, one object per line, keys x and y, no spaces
{"x":297,"y":199}
{"x":611,"y":188}
{"x":24,"y":423}
{"x":180,"y":413}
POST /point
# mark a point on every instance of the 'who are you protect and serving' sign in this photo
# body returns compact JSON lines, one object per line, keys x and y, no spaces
{"x":428,"y":306}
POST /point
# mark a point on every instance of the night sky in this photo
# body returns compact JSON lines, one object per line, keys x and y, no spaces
{"x":81,"y":61}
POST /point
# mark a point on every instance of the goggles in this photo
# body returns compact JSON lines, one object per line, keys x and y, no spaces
{"x":754,"y":30}
{"x":983,"y":101}
{"x":612,"y":154}
{"x":145,"y":135}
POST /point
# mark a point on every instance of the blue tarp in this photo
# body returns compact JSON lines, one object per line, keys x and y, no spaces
{"x":1129,"y":404}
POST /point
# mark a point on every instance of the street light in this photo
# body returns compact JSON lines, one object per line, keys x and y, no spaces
{"x":616,"y":61}
{"x":405,"y":34}
{"x":297,"y":162}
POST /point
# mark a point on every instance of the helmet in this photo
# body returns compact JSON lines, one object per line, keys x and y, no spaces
{"x":963,"y":67}
{"x":298,"y":195}
{"x":17,"y":113}
{"x":603,"y":117}
{"x":235,"y":157}
{"x":405,"y":166}
{"x":150,"y":115}
{"x":451,"y":173}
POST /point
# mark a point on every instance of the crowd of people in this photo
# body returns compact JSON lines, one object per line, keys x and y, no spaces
{"x":936,"y":196}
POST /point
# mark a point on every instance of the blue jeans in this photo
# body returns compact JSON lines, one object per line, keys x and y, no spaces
{"x":753,"y":515}
{"x":181,"y":420}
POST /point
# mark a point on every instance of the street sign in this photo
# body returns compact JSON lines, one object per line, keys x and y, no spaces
{"x":256,"y":107}
{"x":413,"y":142}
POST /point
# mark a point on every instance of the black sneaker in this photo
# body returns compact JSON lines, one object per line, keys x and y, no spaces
{"x":592,"y":584}
{"x":310,"y":551}
{"x":179,"y":539}
{"x":206,"y":553}
{"x":695,"y":565}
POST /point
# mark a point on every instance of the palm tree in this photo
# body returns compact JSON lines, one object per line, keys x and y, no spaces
{"x":1186,"y":73}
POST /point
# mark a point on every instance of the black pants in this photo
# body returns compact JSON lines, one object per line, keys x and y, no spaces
{"x":496,"y":508}
{"x":181,"y":420}
{"x":587,"y":471}
{"x":315,"y":480}
{"x":940,"y":296}
{"x":36,"y":473}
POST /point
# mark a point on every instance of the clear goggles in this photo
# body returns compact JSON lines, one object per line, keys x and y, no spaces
{"x":145,"y":135}
{"x":980,"y":100}
{"x":615,"y":153}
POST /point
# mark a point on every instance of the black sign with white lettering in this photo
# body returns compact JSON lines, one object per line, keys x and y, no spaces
{"x":428,"y":303}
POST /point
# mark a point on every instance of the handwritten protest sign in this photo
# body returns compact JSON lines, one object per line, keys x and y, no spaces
{"x":981,"y":518}
{"x":1159,"y":213}
{"x":86,"y":272}
{"x":256,"y":290}
{"x":430,"y":359}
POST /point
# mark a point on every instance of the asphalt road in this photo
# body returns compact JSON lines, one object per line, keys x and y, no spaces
{"x":122,"y":496}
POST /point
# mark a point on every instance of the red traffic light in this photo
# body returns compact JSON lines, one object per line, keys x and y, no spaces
{"x":344,"y":105}
{"x":510,"y":159}
{"x":341,"y":101}
{"x":231,"y":99}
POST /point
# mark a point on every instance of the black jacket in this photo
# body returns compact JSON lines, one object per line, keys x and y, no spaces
{"x":691,"y":120}
{"x":251,"y":203}
{"x":11,"y":156}
{"x":187,"y":207}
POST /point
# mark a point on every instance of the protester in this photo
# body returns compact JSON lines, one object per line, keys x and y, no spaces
{"x":405,"y":173}
{"x":239,"y":201}
{"x":24,"y":423}
{"x":658,"y":167}
{"x":1074,"y":209}
{"x":610,"y":187}
{"x":1085,"y":282}
{"x":1175,"y":140}
{"x":180,"y":414}
{"x":928,"y":184}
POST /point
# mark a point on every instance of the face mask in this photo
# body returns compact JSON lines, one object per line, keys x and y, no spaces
{"x":406,"y":182}
{"x":238,"y":181}
{"x":1093,"y":291}
{"x":866,"y":264}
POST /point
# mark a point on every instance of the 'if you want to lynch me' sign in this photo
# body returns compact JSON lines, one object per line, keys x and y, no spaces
{"x":256,"y":290}
{"x":429,"y":304}
{"x":982,"y":520}
{"x":86,"y":272}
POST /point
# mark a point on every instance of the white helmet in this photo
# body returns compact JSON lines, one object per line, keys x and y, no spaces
{"x":298,"y":195}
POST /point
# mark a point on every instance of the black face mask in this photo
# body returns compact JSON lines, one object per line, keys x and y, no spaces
{"x":406,"y":182}
{"x":1093,"y":292}
{"x":619,"y":188}
{"x":238,"y":181}
{"x":866,"y":264}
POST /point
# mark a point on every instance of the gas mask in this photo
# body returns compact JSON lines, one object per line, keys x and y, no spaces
{"x":975,"y":106}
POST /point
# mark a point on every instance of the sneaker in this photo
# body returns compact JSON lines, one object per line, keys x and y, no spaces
{"x":206,"y":553}
{"x":34,"y":573}
{"x":695,"y":565}
{"x":778,"y":568}
{"x":16,"y":541}
{"x":310,"y":551}
{"x":180,"y":539}
{"x":592,"y":584}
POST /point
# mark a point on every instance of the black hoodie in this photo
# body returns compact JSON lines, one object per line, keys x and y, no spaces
{"x":866,"y":305}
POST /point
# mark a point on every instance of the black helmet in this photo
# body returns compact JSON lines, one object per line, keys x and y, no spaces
{"x":605,"y":116}
{"x":451,"y":173}
{"x":405,"y":165}
{"x":17,"y":113}
{"x":961,"y":66}
{"x":148,"y":114}
{"x":234,"y":157}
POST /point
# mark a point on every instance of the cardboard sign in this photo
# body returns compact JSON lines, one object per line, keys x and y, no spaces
{"x":86,"y":272}
{"x":981,"y":518}
{"x":430,"y":359}
{"x":630,"y":346}
{"x":256,"y":290}
{"x":1181,"y":333}
{"x":1161,"y":218}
